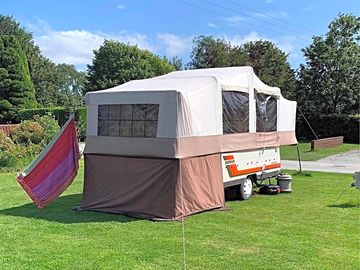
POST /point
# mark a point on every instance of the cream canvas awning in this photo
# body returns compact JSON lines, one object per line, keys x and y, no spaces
{"x":191,"y":100}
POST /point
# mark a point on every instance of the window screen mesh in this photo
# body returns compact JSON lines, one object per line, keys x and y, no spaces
{"x":128,"y":120}
{"x":235,"y":112}
{"x":266,"y":113}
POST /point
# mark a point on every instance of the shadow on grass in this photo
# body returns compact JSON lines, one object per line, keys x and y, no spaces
{"x":232,"y":195}
{"x":345,"y":205}
{"x":61,"y":211}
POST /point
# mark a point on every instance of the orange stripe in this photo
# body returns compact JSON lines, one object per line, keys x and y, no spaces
{"x":231,"y":157}
{"x":233,"y":170}
{"x":272,"y":166}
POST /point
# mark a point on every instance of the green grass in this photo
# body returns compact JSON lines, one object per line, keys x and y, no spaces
{"x":290,"y":152}
{"x":300,"y":230}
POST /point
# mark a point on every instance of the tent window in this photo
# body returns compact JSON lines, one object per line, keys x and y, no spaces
{"x":266,"y":113}
{"x":128,"y":120}
{"x":235,"y":112}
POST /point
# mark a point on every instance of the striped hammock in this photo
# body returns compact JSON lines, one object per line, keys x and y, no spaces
{"x":54,"y":169}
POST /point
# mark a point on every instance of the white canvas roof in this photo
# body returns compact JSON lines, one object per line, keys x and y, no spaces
{"x":191,"y":101}
{"x":229,"y":78}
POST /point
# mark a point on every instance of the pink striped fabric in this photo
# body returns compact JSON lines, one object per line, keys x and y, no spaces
{"x":54,"y":169}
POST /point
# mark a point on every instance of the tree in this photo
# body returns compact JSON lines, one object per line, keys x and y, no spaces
{"x":267,"y":60}
{"x":71,"y":85}
{"x":209,"y":52}
{"x":16,"y":88}
{"x":46,"y":80}
{"x":42,"y":70}
{"x":175,"y":61}
{"x":270,"y":64}
{"x":8,"y":26}
{"x":115,"y":63}
{"x":330,"y":81}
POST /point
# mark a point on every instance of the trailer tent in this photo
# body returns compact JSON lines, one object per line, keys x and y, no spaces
{"x":154,"y":146}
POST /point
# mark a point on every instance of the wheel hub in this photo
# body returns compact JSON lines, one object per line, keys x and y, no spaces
{"x":247,"y":187}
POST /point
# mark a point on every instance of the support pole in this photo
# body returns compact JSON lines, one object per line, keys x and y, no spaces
{"x":299,"y":158}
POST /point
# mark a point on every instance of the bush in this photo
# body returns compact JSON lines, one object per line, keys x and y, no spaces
{"x":27,"y":155}
{"x":50,"y":126}
{"x":15,"y":156}
{"x":28,"y":132}
{"x":80,"y":117}
{"x":38,"y":131}
{"x":27,"y":141}
{"x":329,"y":126}
{"x":61,"y":115}
{"x":7,"y":150}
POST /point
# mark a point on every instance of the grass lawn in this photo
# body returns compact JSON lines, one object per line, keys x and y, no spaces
{"x":301,"y":230}
{"x":290,"y":152}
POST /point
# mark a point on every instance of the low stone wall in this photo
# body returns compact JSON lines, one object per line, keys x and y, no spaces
{"x":327,"y":142}
{"x":8,"y":128}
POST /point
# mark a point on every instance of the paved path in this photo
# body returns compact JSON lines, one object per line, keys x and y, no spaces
{"x":348,"y":162}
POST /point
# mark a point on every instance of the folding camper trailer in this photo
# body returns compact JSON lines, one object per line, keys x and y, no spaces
{"x":166,"y":147}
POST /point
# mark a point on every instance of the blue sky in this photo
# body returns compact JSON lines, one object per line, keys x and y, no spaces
{"x":68,"y":31}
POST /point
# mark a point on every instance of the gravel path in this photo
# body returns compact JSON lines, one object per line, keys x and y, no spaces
{"x":347,"y":162}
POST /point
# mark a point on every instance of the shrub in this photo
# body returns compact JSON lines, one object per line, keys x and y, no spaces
{"x":15,"y":156}
{"x":28,"y":132}
{"x":5,"y":142}
{"x":50,"y":126}
{"x":80,"y":117}
{"x":7,"y":150}
{"x":39,"y":131}
{"x":28,"y":140}
{"x":60,"y":114}
{"x":28,"y":154}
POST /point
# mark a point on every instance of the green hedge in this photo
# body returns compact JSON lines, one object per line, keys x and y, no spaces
{"x":61,"y":115}
{"x":80,"y":116}
{"x":329,"y":126}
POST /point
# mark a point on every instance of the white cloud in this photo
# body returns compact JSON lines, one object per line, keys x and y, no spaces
{"x":285,"y":43}
{"x":76,"y":46}
{"x":240,"y":39}
{"x":212,"y":25}
{"x":175,"y":45}
{"x":120,"y":7}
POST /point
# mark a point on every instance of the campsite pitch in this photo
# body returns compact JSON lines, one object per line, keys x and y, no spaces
{"x":289,"y":152}
{"x":300,"y":230}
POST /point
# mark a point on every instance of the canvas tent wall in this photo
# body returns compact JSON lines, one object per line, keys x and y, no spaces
{"x":184,"y":117}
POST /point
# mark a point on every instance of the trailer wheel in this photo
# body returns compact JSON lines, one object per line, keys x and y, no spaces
{"x":246,"y":189}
